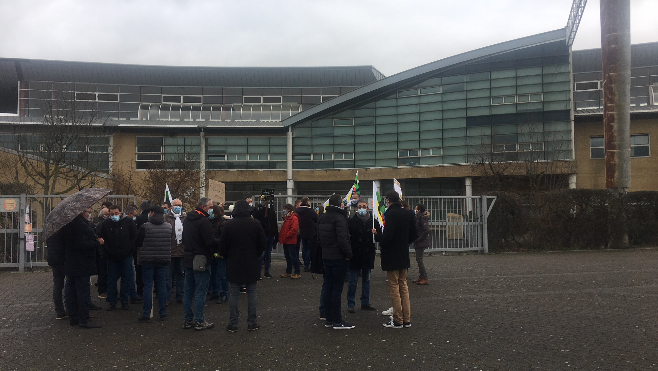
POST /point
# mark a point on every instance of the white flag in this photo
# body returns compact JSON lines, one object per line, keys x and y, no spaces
{"x":167,"y":195}
{"x":396,"y":186}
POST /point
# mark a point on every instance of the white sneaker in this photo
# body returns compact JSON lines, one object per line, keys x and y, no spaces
{"x":388,"y":312}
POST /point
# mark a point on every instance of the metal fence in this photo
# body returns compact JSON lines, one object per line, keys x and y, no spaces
{"x":457,"y":223}
{"x":21,"y":220}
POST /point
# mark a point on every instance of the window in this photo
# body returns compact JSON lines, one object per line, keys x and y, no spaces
{"x":100,"y":97}
{"x":172,"y":99}
{"x":182,"y":99}
{"x":587,"y":85}
{"x":432,"y":152}
{"x":261,"y":100}
{"x":508,"y":99}
{"x":407,"y":92}
{"x":431,"y":90}
{"x":343,"y":122}
{"x":596,"y":147}
{"x":409,"y":153}
{"x":654,"y":94}
{"x":170,"y":151}
{"x":640,"y":145}
{"x":343,"y":156}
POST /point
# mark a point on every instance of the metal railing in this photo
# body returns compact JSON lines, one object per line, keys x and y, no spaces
{"x":21,"y":219}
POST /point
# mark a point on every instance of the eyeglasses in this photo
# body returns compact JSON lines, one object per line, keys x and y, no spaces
{"x":362,"y":207}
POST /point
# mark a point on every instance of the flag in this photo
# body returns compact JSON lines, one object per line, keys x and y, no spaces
{"x":377,"y":207}
{"x":167,"y":195}
{"x":396,"y":186}
{"x":354,"y":195}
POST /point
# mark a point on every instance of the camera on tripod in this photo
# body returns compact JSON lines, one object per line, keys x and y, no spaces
{"x":267,"y":194}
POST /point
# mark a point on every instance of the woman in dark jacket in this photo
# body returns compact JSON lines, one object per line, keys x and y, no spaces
{"x":422,"y":242}
{"x":242,"y":242}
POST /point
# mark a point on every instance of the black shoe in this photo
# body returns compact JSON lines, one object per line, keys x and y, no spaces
{"x":222,"y":299}
{"x":136,"y":300}
{"x":188,"y":325}
{"x":406,"y":324}
{"x":214,"y":297}
{"x":203,"y":326}
{"x":253,"y":327}
{"x":93,"y":306}
{"x":90,"y":325}
{"x":267,"y":275}
{"x":368,"y":307}
{"x":351,"y":309}
{"x":144,"y":319}
{"x":62,"y":315}
{"x":125,"y":306}
{"x":111,"y":307}
{"x":163,"y":318}
{"x":232,"y":328}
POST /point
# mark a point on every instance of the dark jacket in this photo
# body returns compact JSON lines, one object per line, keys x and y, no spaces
{"x":142,"y":218}
{"x":308,"y":220}
{"x":56,"y":249}
{"x":267,"y":218}
{"x":361,"y":241}
{"x":154,"y":241}
{"x":423,"y":229}
{"x":177,"y":250}
{"x":119,"y":238}
{"x":399,"y":232}
{"x":81,"y":246}
{"x":198,"y":237}
{"x":289,"y":230}
{"x":242,"y":242}
{"x":333,"y":234}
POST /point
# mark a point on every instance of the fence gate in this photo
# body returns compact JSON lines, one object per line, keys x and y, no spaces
{"x":21,"y":224}
{"x":457,"y":223}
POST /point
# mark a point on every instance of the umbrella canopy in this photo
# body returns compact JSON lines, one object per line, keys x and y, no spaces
{"x":69,"y":208}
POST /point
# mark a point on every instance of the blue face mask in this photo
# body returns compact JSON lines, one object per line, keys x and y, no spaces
{"x":362,"y":212}
{"x":211,"y":213}
{"x":115,"y":218}
{"x":178,"y":209}
{"x":134,"y":218}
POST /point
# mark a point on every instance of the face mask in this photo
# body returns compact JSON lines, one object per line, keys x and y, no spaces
{"x":211,"y":216}
{"x":363,"y":212}
{"x":317,"y":209}
{"x":178,"y":209}
{"x":251,"y":204}
{"x":134,"y":218}
{"x":115,"y":218}
{"x":210,"y":212}
{"x":415,"y":211}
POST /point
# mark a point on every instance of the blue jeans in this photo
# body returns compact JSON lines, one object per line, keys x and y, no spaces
{"x":267,"y":254}
{"x":365,"y":286}
{"x":334,"y":280}
{"x":196,"y":286}
{"x":252,"y":302}
{"x":157,"y":273}
{"x":175,"y":278}
{"x":120,"y":269}
{"x":218,"y":283}
{"x":292,"y":258}
{"x":307,"y":245}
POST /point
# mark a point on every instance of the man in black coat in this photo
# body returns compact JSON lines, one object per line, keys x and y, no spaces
{"x":142,"y":218}
{"x":242,"y":242}
{"x":199,"y":244}
{"x":79,"y":264}
{"x":399,"y":231}
{"x":119,"y":234}
{"x":334,"y":240}
{"x":308,"y":220}
{"x":56,"y":249}
{"x":362,"y":240}
{"x":266,"y":215}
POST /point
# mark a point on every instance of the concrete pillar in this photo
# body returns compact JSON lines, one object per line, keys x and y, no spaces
{"x":468,"y":186}
{"x":290,"y":183}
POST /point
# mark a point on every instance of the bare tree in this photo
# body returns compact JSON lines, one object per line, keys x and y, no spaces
{"x":182,"y":175}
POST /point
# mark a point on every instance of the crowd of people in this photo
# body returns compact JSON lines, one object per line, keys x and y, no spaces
{"x":201,"y":255}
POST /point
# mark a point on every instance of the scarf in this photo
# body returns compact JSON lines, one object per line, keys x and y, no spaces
{"x":178,"y":226}
{"x":364,"y":218}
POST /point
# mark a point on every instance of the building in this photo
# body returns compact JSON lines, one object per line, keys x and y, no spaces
{"x":307,"y":130}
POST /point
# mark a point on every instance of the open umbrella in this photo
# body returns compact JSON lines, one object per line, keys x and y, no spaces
{"x":71,"y":207}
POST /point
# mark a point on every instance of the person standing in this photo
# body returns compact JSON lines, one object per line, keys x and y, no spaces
{"x":334,"y":239}
{"x":56,"y":254}
{"x":175,"y":217}
{"x":79,"y":265}
{"x":101,"y":257}
{"x":119,"y":234}
{"x":399,"y":232}
{"x":288,"y":238}
{"x":199,"y":248}
{"x":362,"y":241}
{"x":142,"y":218}
{"x":267,"y":217}
{"x":308,"y":220}
{"x":242,"y":242}
{"x":422,"y":242}
{"x":218,"y":286}
{"x":154,"y":242}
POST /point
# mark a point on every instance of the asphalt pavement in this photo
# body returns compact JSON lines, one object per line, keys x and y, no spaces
{"x":585,"y":310}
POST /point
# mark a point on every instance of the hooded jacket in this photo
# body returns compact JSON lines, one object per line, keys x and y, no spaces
{"x":289,"y":229}
{"x":154,"y":241}
{"x":333,"y":234}
{"x":308,"y":220}
{"x":399,"y":232}
{"x":119,"y":238}
{"x":198,"y":237}
{"x":423,"y":229}
{"x":241,"y":243}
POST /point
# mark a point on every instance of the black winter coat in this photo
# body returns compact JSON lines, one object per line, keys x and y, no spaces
{"x":119,"y":238}
{"x":56,"y":249}
{"x":81,"y":246}
{"x":399,"y":232}
{"x":363,"y":247}
{"x":308,"y":220}
{"x":269,"y":221}
{"x":198,"y":237}
{"x":423,"y":229}
{"x":242,"y":242}
{"x":142,"y":218}
{"x":333,"y":234}
{"x":154,"y":241}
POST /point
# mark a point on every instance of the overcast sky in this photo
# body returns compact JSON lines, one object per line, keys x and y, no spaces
{"x":391,"y":35}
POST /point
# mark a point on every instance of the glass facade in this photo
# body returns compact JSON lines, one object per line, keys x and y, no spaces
{"x":246,"y":153}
